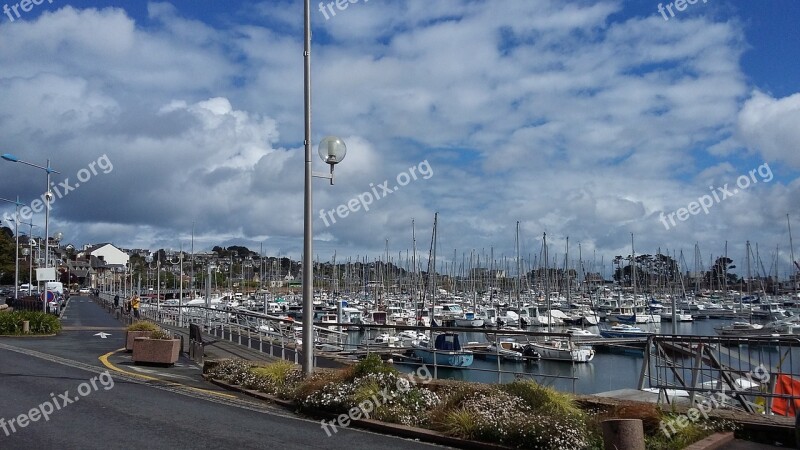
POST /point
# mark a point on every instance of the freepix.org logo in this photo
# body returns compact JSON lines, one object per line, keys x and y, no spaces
{"x":705,"y":202}
{"x":26,"y":6}
{"x":63,"y":188}
{"x":44,"y":410}
{"x":382,"y":190}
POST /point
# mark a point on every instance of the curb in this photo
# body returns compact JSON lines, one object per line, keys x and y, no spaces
{"x":27,"y":335}
{"x":713,"y":442}
{"x":420,"y":434}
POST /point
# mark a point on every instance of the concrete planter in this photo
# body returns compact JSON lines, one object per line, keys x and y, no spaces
{"x":131,"y":335}
{"x":156,"y":351}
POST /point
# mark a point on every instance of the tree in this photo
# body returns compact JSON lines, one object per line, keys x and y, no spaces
{"x":719,"y":271}
{"x":7,"y":255}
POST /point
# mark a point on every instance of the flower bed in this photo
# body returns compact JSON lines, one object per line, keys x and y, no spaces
{"x":39,"y":322}
{"x":522,"y":414}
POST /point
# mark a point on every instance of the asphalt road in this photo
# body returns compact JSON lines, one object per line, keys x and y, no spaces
{"x":122,"y":411}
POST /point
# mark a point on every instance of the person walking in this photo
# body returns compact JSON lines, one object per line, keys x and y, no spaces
{"x":116,"y":301}
{"x":135,"y":305}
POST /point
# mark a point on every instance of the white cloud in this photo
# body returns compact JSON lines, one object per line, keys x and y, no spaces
{"x":772,"y":127}
{"x":576,"y":119}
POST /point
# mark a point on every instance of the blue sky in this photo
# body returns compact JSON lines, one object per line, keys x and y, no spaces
{"x":587,"y":119}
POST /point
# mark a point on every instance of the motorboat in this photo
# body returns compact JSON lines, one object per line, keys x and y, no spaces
{"x":624,"y":331}
{"x":680,"y":315}
{"x":741,"y":329}
{"x":510,"y":349}
{"x":469,"y":320}
{"x":381,"y":340}
{"x":409,"y":337}
{"x":560,"y":349}
{"x":580,"y":333}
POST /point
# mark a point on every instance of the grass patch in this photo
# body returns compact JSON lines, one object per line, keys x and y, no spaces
{"x":544,"y":400}
{"x":459,"y":422}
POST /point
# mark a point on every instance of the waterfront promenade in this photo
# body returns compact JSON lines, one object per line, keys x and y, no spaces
{"x":143,"y":407}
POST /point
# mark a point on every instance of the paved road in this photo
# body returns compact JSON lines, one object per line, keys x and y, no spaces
{"x":125,"y":412}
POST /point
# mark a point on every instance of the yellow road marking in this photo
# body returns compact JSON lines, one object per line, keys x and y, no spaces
{"x":104,"y":359}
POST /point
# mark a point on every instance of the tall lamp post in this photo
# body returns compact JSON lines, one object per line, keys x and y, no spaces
{"x":17,"y":204}
{"x":149,"y":260}
{"x":332,"y":150}
{"x":48,"y":197}
{"x":171,"y":260}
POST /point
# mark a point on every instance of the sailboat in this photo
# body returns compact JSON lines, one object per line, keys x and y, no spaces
{"x":563,"y":350}
{"x":446,"y":351}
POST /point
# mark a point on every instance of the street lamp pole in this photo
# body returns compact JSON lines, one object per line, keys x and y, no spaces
{"x":17,"y":204}
{"x":48,"y":197}
{"x":308,"y":271}
{"x":171,"y":260}
{"x":332,"y":150}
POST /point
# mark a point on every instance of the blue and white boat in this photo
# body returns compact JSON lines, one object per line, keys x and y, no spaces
{"x":447,"y":351}
{"x":624,"y":331}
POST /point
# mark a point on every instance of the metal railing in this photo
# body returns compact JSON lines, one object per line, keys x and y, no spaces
{"x":756,"y":374}
{"x":282,"y":338}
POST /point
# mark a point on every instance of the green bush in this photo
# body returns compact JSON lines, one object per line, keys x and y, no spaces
{"x":142,"y":325}
{"x":40,"y":322}
{"x":371,"y":364}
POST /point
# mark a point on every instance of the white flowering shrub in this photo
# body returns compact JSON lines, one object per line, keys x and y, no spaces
{"x":391,"y":398}
{"x":234,"y":371}
{"x":491,"y":414}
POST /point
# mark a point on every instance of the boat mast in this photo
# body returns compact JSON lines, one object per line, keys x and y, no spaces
{"x":519,"y":279}
{"x":547,"y":285}
{"x":747,"y":248}
{"x":566,"y":268}
{"x":791,"y":252}
{"x":414,"y":267}
{"x":633,"y":272}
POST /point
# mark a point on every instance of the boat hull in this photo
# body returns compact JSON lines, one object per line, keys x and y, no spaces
{"x":556,"y":354}
{"x":470,"y":323}
{"x":445,"y":358}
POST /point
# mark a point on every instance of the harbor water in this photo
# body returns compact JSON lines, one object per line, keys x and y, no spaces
{"x":608,"y":371}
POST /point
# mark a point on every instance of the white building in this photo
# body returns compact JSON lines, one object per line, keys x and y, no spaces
{"x":110,"y":254}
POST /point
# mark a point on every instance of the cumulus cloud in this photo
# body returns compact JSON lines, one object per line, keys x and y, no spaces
{"x":772,"y":127}
{"x":579,"y":119}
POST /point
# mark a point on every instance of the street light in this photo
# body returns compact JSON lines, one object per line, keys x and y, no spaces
{"x":17,"y":204}
{"x":332,"y":150}
{"x":48,"y":197}
{"x":32,"y":243}
{"x":149,"y":260}
{"x":172,"y":261}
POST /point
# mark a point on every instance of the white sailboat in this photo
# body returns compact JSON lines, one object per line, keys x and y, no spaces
{"x":560,"y":349}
